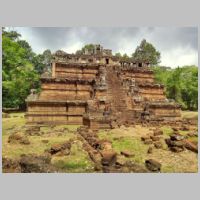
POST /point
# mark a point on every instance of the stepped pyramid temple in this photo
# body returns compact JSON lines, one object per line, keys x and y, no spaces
{"x":97,"y":89}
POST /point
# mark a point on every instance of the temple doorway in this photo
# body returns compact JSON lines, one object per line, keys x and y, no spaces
{"x":107,"y":61}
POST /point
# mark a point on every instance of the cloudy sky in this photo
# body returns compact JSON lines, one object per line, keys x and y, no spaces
{"x":178,"y":46}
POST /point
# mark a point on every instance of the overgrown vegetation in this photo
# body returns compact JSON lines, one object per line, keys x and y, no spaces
{"x":181,"y":84}
{"x":21,"y":69}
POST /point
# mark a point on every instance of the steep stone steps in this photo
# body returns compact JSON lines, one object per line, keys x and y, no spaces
{"x":115,"y":92}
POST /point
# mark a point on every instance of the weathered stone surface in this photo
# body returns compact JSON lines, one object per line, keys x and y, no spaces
{"x":18,"y":138}
{"x":158,"y":132}
{"x":175,"y":143}
{"x":61,"y":148}
{"x":33,"y":130}
{"x":185,"y":128}
{"x":36,"y":164}
{"x":153,"y":165}
{"x":176,"y":149}
{"x":127,"y":153}
{"x":155,"y":138}
{"x":10,"y":166}
{"x":105,"y":145}
{"x":108,"y":158}
{"x":126,"y":167}
{"x":175,"y":128}
{"x":148,"y":141}
{"x":114,"y":125}
{"x":158,"y":145}
{"x":176,"y":137}
{"x":143,"y":138}
{"x":150,"y":150}
{"x":190,"y":146}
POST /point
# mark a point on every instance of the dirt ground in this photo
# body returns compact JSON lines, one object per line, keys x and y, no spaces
{"x":78,"y":161}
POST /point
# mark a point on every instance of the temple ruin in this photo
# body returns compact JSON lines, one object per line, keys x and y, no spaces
{"x":97,"y":89}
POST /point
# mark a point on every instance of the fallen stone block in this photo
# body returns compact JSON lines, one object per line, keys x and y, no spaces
{"x":148,"y":141}
{"x":106,"y":145}
{"x":158,"y":145}
{"x":36,"y":164}
{"x":176,"y":137}
{"x":10,"y":166}
{"x":114,"y":125}
{"x":127,"y":154}
{"x":18,"y":138}
{"x":185,"y":128}
{"x":190,"y":146}
{"x":150,"y":150}
{"x":175,"y":129}
{"x":108,"y":158}
{"x":143,"y":138}
{"x":153,"y":165}
{"x":62,"y":148}
{"x":176,"y":149}
{"x":95,"y":156}
{"x":155,"y":138}
{"x":158,"y":132}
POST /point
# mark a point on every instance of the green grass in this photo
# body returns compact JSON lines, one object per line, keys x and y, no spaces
{"x":167,"y":130}
{"x":133,"y":145}
{"x":36,"y":145}
{"x":8,"y":123}
{"x":77,"y":161}
{"x":102,"y":134}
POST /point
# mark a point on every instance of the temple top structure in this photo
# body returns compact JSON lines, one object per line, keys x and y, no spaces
{"x":97,"y":54}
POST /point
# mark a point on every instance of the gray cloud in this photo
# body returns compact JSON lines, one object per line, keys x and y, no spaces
{"x":178,"y":45}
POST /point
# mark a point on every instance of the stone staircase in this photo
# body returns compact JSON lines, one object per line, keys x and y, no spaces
{"x":117,"y":95}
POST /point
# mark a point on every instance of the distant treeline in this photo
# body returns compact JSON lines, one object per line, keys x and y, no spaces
{"x":181,"y":84}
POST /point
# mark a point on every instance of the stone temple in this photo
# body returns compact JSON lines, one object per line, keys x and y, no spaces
{"x":96,"y":89}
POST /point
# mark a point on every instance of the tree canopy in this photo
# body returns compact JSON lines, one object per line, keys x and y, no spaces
{"x":21,"y":69}
{"x":181,"y":84}
{"x":146,"y":51}
{"x":88,"y":47}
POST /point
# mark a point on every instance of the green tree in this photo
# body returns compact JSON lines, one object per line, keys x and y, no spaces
{"x":42,"y":61}
{"x":47,"y":57}
{"x":146,"y":51}
{"x":18,"y":72}
{"x":181,"y":84}
{"x":174,"y":85}
{"x":118,"y":55}
{"x":125,"y":56}
{"x":89,"y":47}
